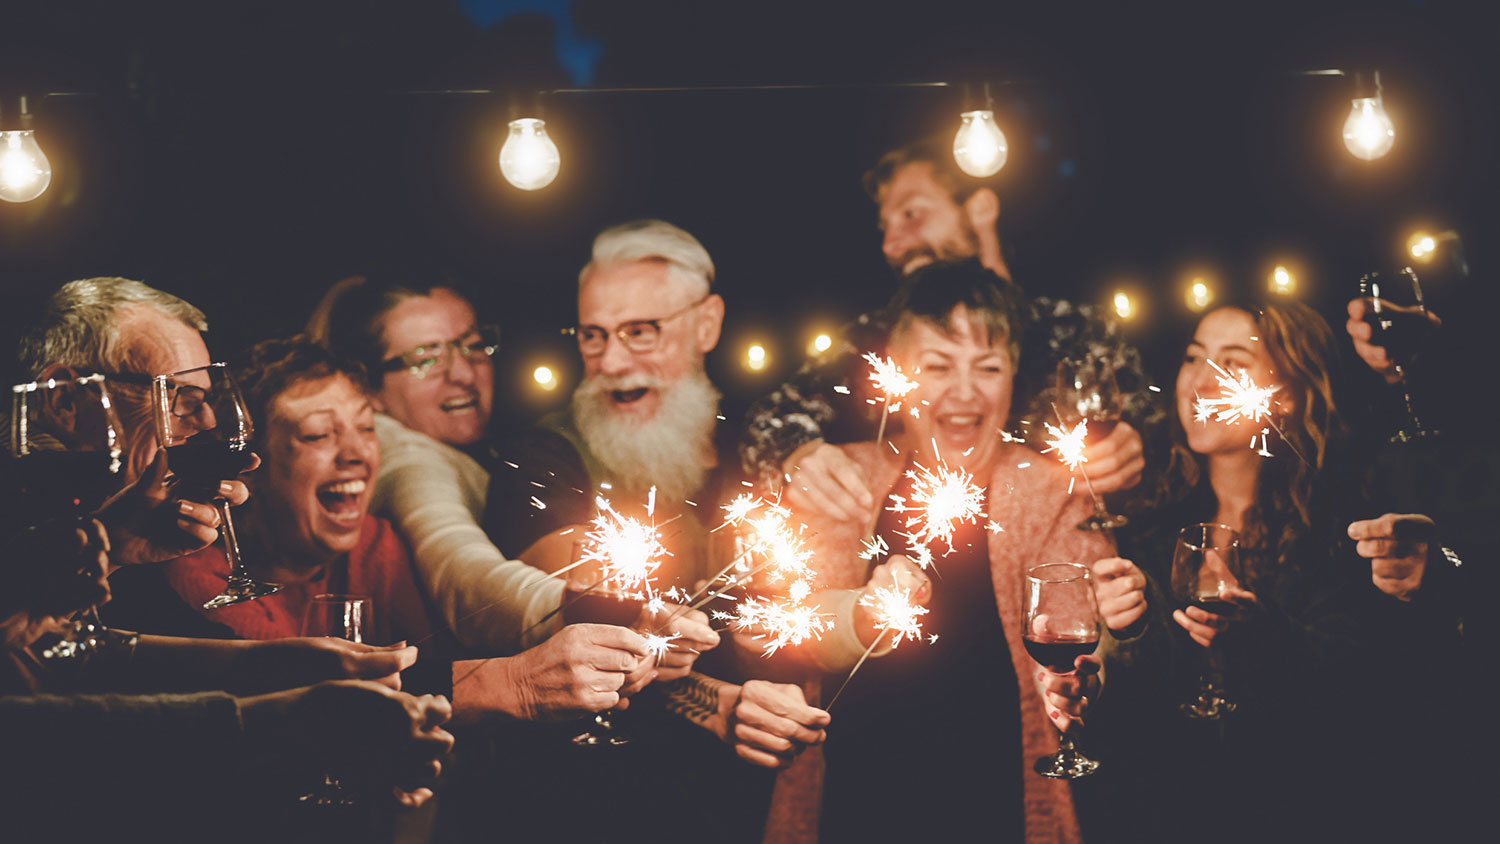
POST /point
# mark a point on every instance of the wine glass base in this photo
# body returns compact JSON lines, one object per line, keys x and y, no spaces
{"x":1207,"y":709}
{"x":1065,"y":767}
{"x":238,"y":590}
{"x":1103,"y":521}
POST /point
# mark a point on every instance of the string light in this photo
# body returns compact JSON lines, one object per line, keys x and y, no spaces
{"x":822,"y":343}
{"x":529,"y":159}
{"x":545,"y":378}
{"x":1124,"y":307}
{"x":1199,"y":295}
{"x":755,"y":357}
{"x":1368,"y":131}
{"x":1282,"y":281}
{"x":25,"y":171}
{"x":979,"y":147}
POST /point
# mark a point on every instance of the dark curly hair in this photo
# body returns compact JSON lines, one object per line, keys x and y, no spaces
{"x":271,"y":367}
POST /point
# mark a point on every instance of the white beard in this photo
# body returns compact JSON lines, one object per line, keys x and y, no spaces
{"x":667,"y":451}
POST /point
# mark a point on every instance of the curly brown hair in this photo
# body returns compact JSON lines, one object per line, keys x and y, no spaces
{"x":271,"y":367}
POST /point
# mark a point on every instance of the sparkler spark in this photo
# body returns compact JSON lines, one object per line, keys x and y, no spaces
{"x":657,"y":646}
{"x":780,"y":623}
{"x":1239,"y":398}
{"x":888,"y":377}
{"x":1069,"y":445}
{"x":893,"y":610}
{"x":939,"y":501}
{"x":629,"y":551}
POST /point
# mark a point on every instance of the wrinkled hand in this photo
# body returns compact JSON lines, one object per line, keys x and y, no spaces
{"x":1120,"y":589}
{"x":691,"y":636}
{"x":55,"y":570}
{"x":1396,"y":546}
{"x":287,"y":663}
{"x":897,"y":571}
{"x":377,"y":738}
{"x":1117,"y":461}
{"x":1360,"y":332}
{"x":582,"y":669}
{"x":1204,"y":626}
{"x":771,"y":723}
{"x":1066,"y":696}
{"x":825,"y":481}
{"x":150,"y":525}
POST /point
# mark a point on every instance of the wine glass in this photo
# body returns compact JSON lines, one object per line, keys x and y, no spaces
{"x":1061,"y":624}
{"x":1205,"y":570}
{"x":338,"y":617}
{"x":202,"y":422}
{"x":1085,"y":391}
{"x":590,"y":598}
{"x":1398,"y":320}
{"x":65,"y":444}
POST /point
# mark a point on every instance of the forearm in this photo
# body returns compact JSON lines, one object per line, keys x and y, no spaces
{"x":173,"y":664}
{"x":484,"y":688}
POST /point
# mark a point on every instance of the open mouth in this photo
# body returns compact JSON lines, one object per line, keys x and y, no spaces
{"x":959,"y":424}
{"x":341,"y":500}
{"x":459,"y":404}
{"x":628,"y":396}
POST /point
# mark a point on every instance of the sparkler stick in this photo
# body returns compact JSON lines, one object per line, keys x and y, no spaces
{"x":864,"y":656}
{"x":892,"y":382}
{"x":1069,"y":446}
{"x":893,"y":611}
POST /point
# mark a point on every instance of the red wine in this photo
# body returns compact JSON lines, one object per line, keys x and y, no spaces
{"x":1100,"y":429}
{"x":1216,"y":606}
{"x":599,"y":607}
{"x":56,"y":483}
{"x":1059,"y":653}
{"x":204,"y":460}
{"x":1401,"y":333}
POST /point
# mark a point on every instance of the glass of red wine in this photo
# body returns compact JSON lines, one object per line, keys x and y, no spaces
{"x":1399,"y":323}
{"x":1205,"y":571}
{"x":1085,"y":390}
{"x":202,"y":422}
{"x":590,"y":598}
{"x":336,"y":616}
{"x":65,"y":441}
{"x":1062,"y":624}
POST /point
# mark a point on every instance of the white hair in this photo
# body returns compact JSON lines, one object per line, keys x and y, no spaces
{"x":653,"y":240}
{"x":80,"y":327}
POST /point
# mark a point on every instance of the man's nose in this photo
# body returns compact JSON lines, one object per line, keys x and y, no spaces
{"x":894,"y":244}
{"x":615,"y":359}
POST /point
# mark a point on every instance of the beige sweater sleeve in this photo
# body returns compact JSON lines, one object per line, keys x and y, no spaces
{"x":435,"y":494}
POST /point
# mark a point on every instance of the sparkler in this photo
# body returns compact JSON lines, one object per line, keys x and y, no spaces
{"x":783,"y":623}
{"x":1241,"y":398}
{"x":892,"y":383}
{"x":939,"y":501}
{"x":1069,"y":446}
{"x":893,"y":612}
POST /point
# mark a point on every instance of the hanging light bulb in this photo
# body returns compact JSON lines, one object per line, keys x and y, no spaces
{"x":1124,"y":308}
{"x":1368,"y":132}
{"x":24,"y":170}
{"x":1282,"y":281}
{"x":529,"y":159}
{"x":979,"y":147}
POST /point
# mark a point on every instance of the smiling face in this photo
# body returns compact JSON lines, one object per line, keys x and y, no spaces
{"x":921,"y":222}
{"x":1228,"y":337}
{"x":451,"y":404}
{"x":965,"y":383}
{"x":321,"y":455}
{"x":630,"y":382}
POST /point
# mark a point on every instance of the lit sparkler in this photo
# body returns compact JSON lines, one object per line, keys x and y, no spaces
{"x":892,"y":383}
{"x":1068,"y":445}
{"x":939,"y":501}
{"x":779,"y":623}
{"x":1241,"y":398}
{"x":894,"y":613}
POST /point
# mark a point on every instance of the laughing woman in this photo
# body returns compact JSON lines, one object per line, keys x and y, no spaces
{"x":309,"y":527}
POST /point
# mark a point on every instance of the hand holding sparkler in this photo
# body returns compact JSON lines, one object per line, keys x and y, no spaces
{"x":893,"y":612}
{"x":771,"y":723}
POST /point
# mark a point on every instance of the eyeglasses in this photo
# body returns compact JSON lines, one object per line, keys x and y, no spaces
{"x":638,"y":336}
{"x":477,"y":345}
{"x":187,"y":400}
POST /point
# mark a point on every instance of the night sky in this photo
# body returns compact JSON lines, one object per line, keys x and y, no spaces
{"x":247,"y":156}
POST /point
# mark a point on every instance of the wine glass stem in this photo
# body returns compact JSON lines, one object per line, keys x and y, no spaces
{"x":231,"y":542}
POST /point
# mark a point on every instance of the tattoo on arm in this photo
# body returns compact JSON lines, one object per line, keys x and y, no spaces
{"x":694,"y":697}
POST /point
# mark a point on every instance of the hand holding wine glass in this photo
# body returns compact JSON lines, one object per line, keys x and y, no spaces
{"x":204,"y":426}
{"x":338,"y":617}
{"x":1396,"y":328}
{"x":1207,"y":577}
{"x":1061,"y":625}
{"x":1085,"y":392}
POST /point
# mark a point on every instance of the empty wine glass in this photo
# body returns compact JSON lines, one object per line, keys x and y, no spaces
{"x":1061,"y":624}
{"x":589,"y":598}
{"x":1085,"y":390}
{"x":65,"y":444}
{"x":202,"y":422}
{"x":1205,"y":573}
{"x":339,"y":617}
{"x":1399,"y":323}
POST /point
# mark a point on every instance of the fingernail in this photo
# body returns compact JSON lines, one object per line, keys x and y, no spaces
{"x":1041,"y":675}
{"x":185,"y":507}
{"x":226,"y":488}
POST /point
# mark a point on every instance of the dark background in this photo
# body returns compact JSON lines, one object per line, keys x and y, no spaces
{"x":245,"y":156}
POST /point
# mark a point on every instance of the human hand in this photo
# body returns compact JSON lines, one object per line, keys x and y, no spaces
{"x":1361,"y":333}
{"x":770,"y":723}
{"x":691,"y":636}
{"x":582,"y":669}
{"x":151,"y":525}
{"x":377,"y":738}
{"x":1117,"y":461}
{"x":59,"y":568}
{"x":1204,"y":626}
{"x":825,"y":481}
{"x":900,"y":573}
{"x":1120,"y":589}
{"x":1396,"y":546}
{"x":288,"y":663}
{"x":1066,"y":696}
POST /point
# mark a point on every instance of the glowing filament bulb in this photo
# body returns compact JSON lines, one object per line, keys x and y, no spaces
{"x":1198,"y":295}
{"x":24,"y":169}
{"x":529,"y":159}
{"x":1124,"y":308}
{"x":822,"y":343}
{"x":1282,"y":280}
{"x":544,"y":376}
{"x":755,"y":357}
{"x":979,"y":147}
{"x":1368,"y":132}
{"x":1422,"y":245}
